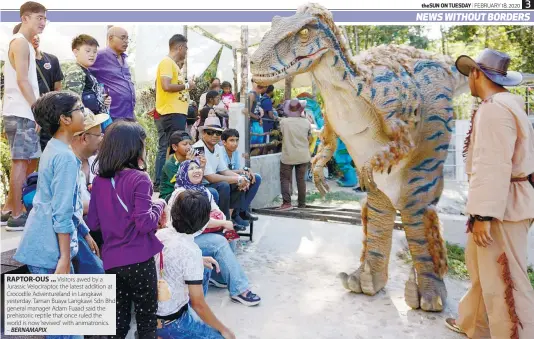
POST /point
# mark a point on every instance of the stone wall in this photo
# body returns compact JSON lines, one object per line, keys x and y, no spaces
{"x":268,"y":166}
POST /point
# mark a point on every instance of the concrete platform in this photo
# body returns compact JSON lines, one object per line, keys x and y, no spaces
{"x":292,"y":264}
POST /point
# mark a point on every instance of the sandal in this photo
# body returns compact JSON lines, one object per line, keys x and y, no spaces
{"x":451,"y":324}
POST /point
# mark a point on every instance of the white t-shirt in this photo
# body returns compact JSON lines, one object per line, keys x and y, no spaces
{"x":215,"y":162}
{"x":14,"y":102}
{"x":182,"y":266}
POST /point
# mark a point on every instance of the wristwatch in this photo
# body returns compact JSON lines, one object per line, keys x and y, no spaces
{"x":481,"y":218}
{"x":246,"y":169}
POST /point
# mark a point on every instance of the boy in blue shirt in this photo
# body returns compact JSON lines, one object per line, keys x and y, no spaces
{"x":230,"y":140}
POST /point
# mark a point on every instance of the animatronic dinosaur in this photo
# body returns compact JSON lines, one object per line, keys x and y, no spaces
{"x":392,"y":107}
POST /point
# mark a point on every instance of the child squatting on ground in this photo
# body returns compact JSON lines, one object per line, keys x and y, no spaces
{"x":182,"y":265}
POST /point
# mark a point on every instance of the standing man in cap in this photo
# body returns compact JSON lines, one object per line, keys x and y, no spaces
{"x":85,"y":145}
{"x":111,"y":69}
{"x":499,"y":152}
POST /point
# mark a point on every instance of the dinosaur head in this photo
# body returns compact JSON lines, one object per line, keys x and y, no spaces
{"x":295,"y":44}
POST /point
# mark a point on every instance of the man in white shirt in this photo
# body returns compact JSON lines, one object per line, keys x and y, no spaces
{"x":21,"y":92}
{"x":228,"y":184}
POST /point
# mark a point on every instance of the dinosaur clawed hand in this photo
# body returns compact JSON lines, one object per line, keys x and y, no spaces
{"x":365,"y":175}
{"x":397,"y":149}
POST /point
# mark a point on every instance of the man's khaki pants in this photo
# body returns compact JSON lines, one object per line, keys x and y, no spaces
{"x":485,"y":308}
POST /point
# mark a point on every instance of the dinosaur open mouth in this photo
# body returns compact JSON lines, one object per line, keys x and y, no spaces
{"x":291,"y":64}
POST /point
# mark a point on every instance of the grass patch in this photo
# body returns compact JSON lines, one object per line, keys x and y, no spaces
{"x":332,"y":196}
{"x":456,"y":261}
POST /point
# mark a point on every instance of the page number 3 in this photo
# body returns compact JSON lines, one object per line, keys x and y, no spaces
{"x":527,"y":4}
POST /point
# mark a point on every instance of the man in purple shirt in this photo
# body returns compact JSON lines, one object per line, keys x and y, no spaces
{"x":111,"y":69}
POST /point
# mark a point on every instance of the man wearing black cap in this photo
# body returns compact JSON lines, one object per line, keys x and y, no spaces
{"x":499,"y":153}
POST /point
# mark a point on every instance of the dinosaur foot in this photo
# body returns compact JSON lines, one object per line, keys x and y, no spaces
{"x":363,"y":281}
{"x":429,"y":300}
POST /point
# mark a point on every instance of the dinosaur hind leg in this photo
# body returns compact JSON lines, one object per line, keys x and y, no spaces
{"x":425,"y":288}
{"x":378,"y":218}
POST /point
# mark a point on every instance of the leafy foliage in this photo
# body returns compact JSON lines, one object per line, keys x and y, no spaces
{"x":203,"y":82}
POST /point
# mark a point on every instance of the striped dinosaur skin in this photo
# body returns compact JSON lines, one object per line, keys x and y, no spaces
{"x":392,"y":107}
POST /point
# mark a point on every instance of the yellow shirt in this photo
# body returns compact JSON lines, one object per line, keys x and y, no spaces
{"x":170,"y":102}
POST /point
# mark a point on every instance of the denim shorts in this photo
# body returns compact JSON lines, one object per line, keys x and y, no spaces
{"x":24,"y":141}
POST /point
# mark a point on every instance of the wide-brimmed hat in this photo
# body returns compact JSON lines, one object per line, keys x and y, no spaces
{"x":212,"y":123}
{"x":91,"y":120}
{"x":294,"y":107}
{"x":493,"y":64}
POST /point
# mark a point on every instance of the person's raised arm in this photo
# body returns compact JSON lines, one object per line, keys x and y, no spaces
{"x":146,"y":212}
{"x":21,"y":55}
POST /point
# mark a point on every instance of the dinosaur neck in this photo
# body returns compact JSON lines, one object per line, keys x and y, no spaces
{"x":332,"y":75}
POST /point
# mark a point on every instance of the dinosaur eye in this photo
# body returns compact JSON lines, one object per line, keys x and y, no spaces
{"x":304,"y":34}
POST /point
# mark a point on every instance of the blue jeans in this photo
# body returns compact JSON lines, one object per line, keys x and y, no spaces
{"x":215,"y":194}
{"x":188,"y":326}
{"x":215,"y":245}
{"x":41,"y":270}
{"x":86,"y":262}
{"x":162,"y":150}
{"x":248,"y":196}
{"x":229,"y":196}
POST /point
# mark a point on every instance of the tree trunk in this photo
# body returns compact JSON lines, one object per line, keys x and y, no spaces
{"x":184,"y":70}
{"x":344,"y":29}
{"x":244,"y":64}
{"x":443,"y":50}
{"x":356,"y":40}
{"x":486,"y":37}
{"x":244,"y":89}
{"x":287,"y":88}
{"x":236,"y":88}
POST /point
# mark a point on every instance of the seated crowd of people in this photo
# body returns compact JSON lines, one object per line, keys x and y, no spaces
{"x":93,"y":208}
{"x":115,"y":226}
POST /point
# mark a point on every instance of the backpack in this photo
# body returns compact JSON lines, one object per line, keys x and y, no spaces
{"x":28,"y":191}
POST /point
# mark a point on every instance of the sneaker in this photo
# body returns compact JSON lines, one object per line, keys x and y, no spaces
{"x":285,"y":207}
{"x":238,"y":228}
{"x":16,"y":224}
{"x":217,"y":284}
{"x":237,"y":220}
{"x":4,"y":217}
{"x":451,"y":324}
{"x":249,"y":300}
{"x":247,"y":216}
{"x":302,"y":205}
